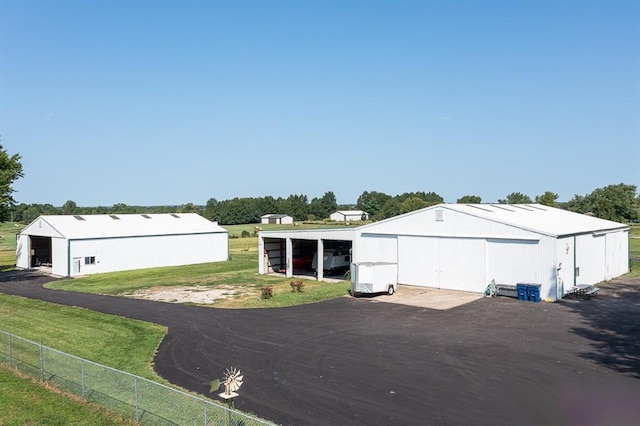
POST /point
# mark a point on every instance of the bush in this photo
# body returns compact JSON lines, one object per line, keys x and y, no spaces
{"x":266,"y":292}
{"x":246,"y":234}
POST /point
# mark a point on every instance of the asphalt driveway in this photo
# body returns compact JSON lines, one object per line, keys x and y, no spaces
{"x":489,"y":362}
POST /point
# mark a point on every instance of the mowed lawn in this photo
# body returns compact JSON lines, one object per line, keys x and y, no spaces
{"x":240,"y":273}
{"x":114,"y":341}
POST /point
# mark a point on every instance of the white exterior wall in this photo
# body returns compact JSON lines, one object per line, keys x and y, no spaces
{"x":59,"y":256}
{"x":375,"y":248}
{"x":590,"y":250}
{"x":565,"y":260}
{"x":617,"y":254}
{"x":22,"y":251}
{"x":122,"y":254}
{"x":460,"y":252}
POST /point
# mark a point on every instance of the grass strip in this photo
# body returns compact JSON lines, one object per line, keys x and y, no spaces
{"x":28,"y":402}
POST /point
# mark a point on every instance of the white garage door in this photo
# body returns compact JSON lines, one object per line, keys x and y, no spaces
{"x":451,"y":263}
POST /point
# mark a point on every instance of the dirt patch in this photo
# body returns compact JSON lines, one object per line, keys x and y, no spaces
{"x":188,"y":294}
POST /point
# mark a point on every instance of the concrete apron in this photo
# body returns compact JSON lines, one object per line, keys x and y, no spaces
{"x":424,"y":297}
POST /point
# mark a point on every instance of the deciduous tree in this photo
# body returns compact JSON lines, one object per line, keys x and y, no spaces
{"x":516,"y":198}
{"x":10,"y":171}
{"x":469,"y":199}
{"x":548,"y":199}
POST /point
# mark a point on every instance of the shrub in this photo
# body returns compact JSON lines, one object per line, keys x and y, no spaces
{"x":246,"y":234}
{"x":266,"y":292}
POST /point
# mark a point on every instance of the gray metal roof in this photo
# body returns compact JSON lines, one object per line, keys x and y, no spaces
{"x":125,"y":225}
{"x":538,"y":218}
{"x":532,"y":217}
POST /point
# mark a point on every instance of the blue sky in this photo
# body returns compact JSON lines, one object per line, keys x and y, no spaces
{"x":170,"y":102}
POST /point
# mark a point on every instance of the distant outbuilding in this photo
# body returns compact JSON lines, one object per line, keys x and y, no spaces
{"x":74,"y":245}
{"x":349,"y":215}
{"x":278,"y":219}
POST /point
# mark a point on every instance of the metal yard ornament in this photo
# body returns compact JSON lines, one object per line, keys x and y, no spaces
{"x":232,"y":381}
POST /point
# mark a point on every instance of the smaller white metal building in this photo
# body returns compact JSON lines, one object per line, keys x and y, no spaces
{"x":348,"y":215}
{"x":74,"y":245}
{"x":278,"y":219}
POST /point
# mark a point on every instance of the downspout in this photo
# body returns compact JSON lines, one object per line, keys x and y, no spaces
{"x":68,"y":258}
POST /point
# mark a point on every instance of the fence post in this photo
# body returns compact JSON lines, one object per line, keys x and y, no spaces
{"x":10,"y":360}
{"x":82,"y":378}
{"x":135,"y":387}
{"x":206,"y":422}
{"x":41,"y":363}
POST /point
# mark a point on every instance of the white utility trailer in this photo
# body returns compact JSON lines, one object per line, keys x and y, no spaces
{"x":374,"y":277}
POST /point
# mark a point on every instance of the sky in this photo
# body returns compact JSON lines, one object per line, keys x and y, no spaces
{"x":173,"y":102}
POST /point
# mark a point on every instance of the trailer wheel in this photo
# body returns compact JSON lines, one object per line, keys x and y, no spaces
{"x":391,"y":290}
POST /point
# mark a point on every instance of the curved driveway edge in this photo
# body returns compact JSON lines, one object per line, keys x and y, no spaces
{"x":490,"y":362}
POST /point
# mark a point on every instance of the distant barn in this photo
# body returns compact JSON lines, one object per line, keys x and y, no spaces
{"x":278,"y":219}
{"x":348,"y":215}
{"x":88,"y":244}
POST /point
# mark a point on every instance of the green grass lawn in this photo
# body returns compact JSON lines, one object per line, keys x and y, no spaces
{"x":25,"y":402}
{"x":241,"y":272}
{"x":114,"y":341}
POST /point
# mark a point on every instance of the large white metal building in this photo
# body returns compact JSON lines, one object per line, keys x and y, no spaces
{"x":74,"y":245}
{"x":466,"y":246}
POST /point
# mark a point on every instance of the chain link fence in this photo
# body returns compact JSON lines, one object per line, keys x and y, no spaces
{"x":145,"y":401}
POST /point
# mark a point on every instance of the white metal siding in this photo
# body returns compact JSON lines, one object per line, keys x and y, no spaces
{"x":22,"y":251}
{"x":122,"y":254}
{"x":462,"y":264}
{"x":419,"y":261}
{"x":376,"y":248}
{"x":59,"y":257}
{"x":516,"y":261}
{"x":590,"y":258}
{"x":450,"y":263}
{"x":564,"y":260}
{"x":617,"y":254}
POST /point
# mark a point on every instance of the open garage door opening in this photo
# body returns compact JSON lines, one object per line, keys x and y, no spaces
{"x":40,"y":255}
{"x":336,"y":257}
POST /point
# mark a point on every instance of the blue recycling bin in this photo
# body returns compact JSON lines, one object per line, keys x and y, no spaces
{"x":533,"y":291}
{"x":522,"y":292}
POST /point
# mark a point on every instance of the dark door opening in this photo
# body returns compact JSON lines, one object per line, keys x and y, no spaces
{"x":40,"y":251}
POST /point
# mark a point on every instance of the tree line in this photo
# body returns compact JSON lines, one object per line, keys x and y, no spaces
{"x":619,"y":203}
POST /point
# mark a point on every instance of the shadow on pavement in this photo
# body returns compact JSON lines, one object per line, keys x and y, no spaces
{"x":613,"y":326}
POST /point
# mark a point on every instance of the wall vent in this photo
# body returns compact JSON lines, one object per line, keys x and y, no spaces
{"x":439,"y":215}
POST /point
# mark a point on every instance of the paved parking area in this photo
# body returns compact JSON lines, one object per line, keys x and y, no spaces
{"x":492,"y":361}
